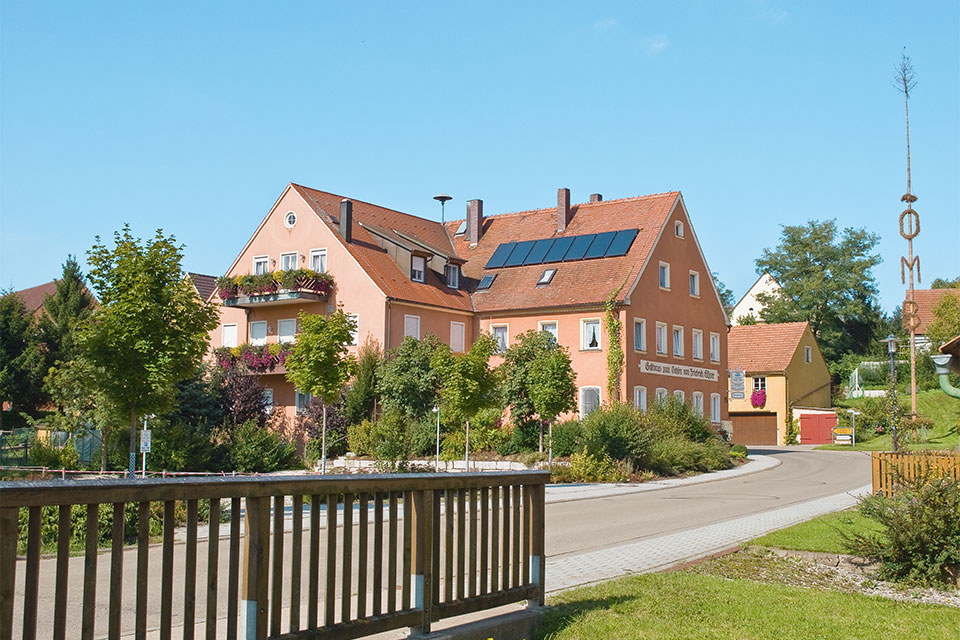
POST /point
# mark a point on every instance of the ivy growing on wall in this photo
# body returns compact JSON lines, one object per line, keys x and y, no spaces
{"x":615,"y":354}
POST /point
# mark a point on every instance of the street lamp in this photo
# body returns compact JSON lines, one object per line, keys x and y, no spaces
{"x":892,"y":350}
{"x":436,"y":410}
{"x":853,"y":425}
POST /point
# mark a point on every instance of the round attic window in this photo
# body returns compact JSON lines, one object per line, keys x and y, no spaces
{"x":289,"y":220}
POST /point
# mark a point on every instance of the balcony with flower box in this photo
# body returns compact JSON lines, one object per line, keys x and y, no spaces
{"x":253,"y":359}
{"x":274,"y":288}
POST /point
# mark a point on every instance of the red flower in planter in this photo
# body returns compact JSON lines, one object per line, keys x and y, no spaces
{"x":758,"y":398}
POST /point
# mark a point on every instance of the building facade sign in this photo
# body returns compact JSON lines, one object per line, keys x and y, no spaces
{"x":679,"y":371}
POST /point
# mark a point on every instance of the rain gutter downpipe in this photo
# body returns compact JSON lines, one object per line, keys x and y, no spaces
{"x":942,"y":364}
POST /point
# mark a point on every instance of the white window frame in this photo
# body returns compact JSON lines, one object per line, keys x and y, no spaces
{"x":808,"y":355}
{"x":714,"y":347}
{"x":265,"y":261}
{"x":422,"y":271}
{"x":556,"y":328}
{"x":268,"y":400}
{"x":642,"y":347}
{"x":760,"y":383}
{"x":355,"y":334}
{"x":460,"y":327}
{"x":319,"y":253}
{"x":301,"y":401}
{"x":546,"y":277}
{"x":696,"y":344}
{"x":283,"y":260}
{"x":678,"y":228}
{"x":640,"y":397}
{"x":661,"y":394}
{"x":715,"y":408}
{"x":281,"y":338}
{"x":506,"y":336}
{"x":697,"y":403}
{"x":677,"y":353}
{"x":454,"y":270}
{"x":223,"y":335}
{"x":694,"y":282}
{"x":583,"y":335}
{"x":259,"y":342}
{"x":408,"y":321}
{"x":581,"y":402}
{"x":662,"y":339}
{"x":286,"y":219}
{"x":663,"y":275}
{"x":679,"y":393}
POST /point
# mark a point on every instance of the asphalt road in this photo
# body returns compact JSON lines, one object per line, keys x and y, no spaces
{"x":571,"y":527}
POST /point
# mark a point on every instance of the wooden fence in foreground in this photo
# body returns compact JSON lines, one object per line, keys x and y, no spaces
{"x":292,"y":557}
{"x":889,"y":467}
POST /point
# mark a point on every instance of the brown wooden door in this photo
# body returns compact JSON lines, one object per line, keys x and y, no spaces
{"x":754,"y":428}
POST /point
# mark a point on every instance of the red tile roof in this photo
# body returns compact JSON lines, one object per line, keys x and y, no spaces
{"x":764,"y":347}
{"x":376,"y":262}
{"x":927,"y":300}
{"x":586,"y":282}
{"x":34,"y":296}
{"x":204,"y":284}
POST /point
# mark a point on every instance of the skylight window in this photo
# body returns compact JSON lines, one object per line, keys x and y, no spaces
{"x":546,"y":277}
{"x":486,"y":282}
{"x":462,"y":229}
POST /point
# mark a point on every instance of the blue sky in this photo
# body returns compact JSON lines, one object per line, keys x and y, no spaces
{"x":192,"y":117}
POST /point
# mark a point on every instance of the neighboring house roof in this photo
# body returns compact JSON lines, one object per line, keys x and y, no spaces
{"x":34,"y":296}
{"x":764,"y":347}
{"x":927,"y":300}
{"x":366,"y":250}
{"x":204,"y":284}
{"x":585,"y":282}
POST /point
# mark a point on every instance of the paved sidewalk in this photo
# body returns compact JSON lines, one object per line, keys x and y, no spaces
{"x":661,"y":552}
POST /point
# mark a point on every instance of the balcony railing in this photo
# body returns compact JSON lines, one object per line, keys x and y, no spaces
{"x":396,"y":551}
{"x":267,"y":358}
{"x":276,"y":287}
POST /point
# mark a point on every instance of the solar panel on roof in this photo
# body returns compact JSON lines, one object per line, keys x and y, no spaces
{"x":559,"y":249}
{"x":519,"y":253}
{"x":621,"y":243}
{"x":486,"y":282}
{"x":598,"y":248}
{"x":538,"y":252}
{"x":579,"y":247}
{"x":500,"y":255}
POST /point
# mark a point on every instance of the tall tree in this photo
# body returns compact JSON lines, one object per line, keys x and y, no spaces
{"x":407,"y":380}
{"x":945,"y":283}
{"x":726,"y":295}
{"x":21,"y":358}
{"x":537,"y":379}
{"x":362,"y":396}
{"x":151,"y":329}
{"x":468,"y":384}
{"x":945,"y":325}
{"x":826,"y":279}
{"x":70,"y":305}
{"x":320,"y":363}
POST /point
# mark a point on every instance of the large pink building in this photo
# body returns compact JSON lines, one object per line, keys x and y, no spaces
{"x":551,"y":269}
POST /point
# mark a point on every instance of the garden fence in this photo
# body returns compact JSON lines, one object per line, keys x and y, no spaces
{"x":889,"y":468}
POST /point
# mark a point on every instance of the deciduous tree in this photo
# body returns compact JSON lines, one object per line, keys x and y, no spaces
{"x":827,"y":279}
{"x":151,"y":329}
{"x":945,"y":325}
{"x":407,"y":380}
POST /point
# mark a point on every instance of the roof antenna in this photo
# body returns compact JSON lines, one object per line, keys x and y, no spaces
{"x":443,"y":198}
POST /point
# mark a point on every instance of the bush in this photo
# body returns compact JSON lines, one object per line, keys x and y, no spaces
{"x":42,"y":454}
{"x":566,"y":438}
{"x":453,"y":444}
{"x":675,"y":417}
{"x":586,"y":467}
{"x":739,"y":449}
{"x":255,"y":449}
{"x":181,"y":447}
{"x":674,"y":455}
{"x":360,"y":438}
{"x":525,"y":436}
{"x":617,"y":431}
{"x":920,"y":540}
{"x":423,"y":440}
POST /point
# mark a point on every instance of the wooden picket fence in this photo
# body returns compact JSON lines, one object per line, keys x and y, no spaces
{"x":889,"y":467}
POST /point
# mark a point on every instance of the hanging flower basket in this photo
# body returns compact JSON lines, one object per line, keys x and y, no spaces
{"x":257,"y":359}
{"x":264,"y":284}
{"x":758,"y":398}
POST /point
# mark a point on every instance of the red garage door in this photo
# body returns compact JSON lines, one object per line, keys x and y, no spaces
{"x":754,"y":428}
{"x":817,"y":428}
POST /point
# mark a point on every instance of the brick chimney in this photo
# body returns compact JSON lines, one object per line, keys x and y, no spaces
{"x":563,"y":209}
{"x":596,"y":197}
{"x":346,"y":220}
{"x":474,"y":221}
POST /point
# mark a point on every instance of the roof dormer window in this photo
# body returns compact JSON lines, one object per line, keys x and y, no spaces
{"x":451,"y":274}
{"x":418,"y":267}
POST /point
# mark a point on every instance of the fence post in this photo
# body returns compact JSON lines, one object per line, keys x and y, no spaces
{"x":422,"y":551}
{"x":256,"y":568}
{"x":534,"y":494}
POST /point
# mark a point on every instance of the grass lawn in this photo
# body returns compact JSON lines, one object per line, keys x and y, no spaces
{"x":934,"y":404}
{"x":687,"y":605}
{"x":825,"y":533}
